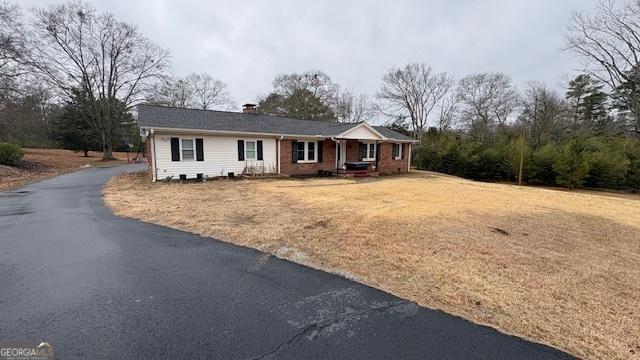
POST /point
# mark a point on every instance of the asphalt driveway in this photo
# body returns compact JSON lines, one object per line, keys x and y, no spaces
{"x":98,"y":286}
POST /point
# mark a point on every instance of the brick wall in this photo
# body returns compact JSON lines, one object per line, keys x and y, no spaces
{"x":353,"y":150}
{"x":388,"y":165}
{"x":288,"y":168}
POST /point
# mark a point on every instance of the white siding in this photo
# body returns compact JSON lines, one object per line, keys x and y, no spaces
{"x":220,"y":156}
{"x":361,"y":133}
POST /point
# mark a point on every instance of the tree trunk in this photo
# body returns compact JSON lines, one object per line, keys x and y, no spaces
{"x":107,"y":151}
{"x":86,"y":152}
{"x":107,"y":146}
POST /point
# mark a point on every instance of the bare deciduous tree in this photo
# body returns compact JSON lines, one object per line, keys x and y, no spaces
{"x":487,"y":101}
{"x":448,"y":112}
{"x":609,"y":41}
{"x":172,"y":92}
{"x":413,"y":92}
{"x":317,"y":82}
{"x":12,"y":46}
{"x":544,"y":113}
{"x":209,"y":93}
{"x":353,"y":108}
{"x":200,"y":91}
{"x":74,"y":47}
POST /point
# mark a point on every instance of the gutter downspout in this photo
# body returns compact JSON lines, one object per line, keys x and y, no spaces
{"x":279,"y":151}
{"x":338,"y":145}
{"x":152,"y":138}
{"x":409,"y":158}
{"x":336,"y":154}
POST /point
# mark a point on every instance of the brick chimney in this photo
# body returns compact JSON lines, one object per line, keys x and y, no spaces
{"x":249,"y":108}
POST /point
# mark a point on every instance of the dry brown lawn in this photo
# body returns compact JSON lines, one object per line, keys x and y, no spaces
{"x":560,"y":268}
{"x":38,"y":164}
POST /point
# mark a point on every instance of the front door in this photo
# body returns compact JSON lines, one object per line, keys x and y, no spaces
{"x":342,"y":154}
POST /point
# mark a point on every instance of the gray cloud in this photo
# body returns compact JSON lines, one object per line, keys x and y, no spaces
{"x":246,"y":44}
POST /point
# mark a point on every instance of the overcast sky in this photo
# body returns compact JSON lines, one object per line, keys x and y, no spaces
{"x":246,"y":44}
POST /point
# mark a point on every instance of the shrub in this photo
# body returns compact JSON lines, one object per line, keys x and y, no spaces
{"x":486,"y":165}
{"x":633,"y":174}
{"x":570,"y":165}
{"x":452,"y":160}
{"x":541,"y":172}
{"x":10,"y":154}
{"x":607,"y":169}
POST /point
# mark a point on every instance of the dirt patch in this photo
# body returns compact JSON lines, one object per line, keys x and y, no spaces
{"x":38,"y":164}
{"x":560,"y":268}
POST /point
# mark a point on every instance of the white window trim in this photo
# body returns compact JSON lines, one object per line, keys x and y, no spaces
{"x":255,"y":150}
{"x":399,"y":151}
{"x":306,"y":152}
{"x":194,"y":148}
{"x":368,"y":144}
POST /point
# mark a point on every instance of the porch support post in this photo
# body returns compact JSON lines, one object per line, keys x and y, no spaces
{"x":409,"y":158}
{"x":337,"y":154}
{"x":278,"y":150}
{"x":377,"y":154}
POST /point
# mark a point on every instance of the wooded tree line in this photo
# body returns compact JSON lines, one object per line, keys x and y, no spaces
{"x":588,"y":136}
{"x":583,"y":137}
{"x":70,"y":76}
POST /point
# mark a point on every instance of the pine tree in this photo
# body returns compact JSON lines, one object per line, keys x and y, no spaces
{"x":72,"y":130}
{"x":588,"y":102}
{"x":570,"y":165}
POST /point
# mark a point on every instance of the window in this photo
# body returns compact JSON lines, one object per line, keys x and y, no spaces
{"x":397,"y":151}
{"x":370,"y":152}
{"x":301,"y":152}
{"x":250,"y":150}
{"x":311,"y":151}
{"x":306,"y":151}
{"x":187,"y":149}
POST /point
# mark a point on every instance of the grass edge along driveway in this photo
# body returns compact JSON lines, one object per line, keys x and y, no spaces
{"x":555,"y":267}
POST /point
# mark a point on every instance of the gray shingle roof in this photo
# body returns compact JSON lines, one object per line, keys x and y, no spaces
{"x":392,"y":134}
{"x":152,"y":116}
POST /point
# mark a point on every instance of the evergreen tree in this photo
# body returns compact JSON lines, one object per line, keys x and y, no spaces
{"x":541,"y":171}
{"x":627,"y":101}
{"x":71,"y":129}
{"x":588,"y":102}
{"x":301,"y":104}
{"x":570,"y":165}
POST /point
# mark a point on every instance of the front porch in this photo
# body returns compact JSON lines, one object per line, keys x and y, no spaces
{"x":357,"y":157}
{"x":350,"y":173}
{"x":360,"y":152}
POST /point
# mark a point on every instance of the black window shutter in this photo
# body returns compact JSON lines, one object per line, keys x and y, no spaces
{"x":199,"y":150}
{"x":402,"y":153}
{"x":363,"y":150}
{"x":259,"y":145}
{"x":294,"y":151}
{"x":377,"y":152}
{"x":320,"y":150}
{"x":175,"y":149}
{"x":240,"y":150}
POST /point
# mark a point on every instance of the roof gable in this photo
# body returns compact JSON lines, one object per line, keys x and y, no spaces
{"x":361,"y":131}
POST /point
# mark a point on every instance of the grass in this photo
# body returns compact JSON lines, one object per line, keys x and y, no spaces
{"x":38,"y":164}
{"x":561,"y":268}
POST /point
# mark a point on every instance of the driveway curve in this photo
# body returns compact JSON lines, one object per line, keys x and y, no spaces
{"x":103,"y":287}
